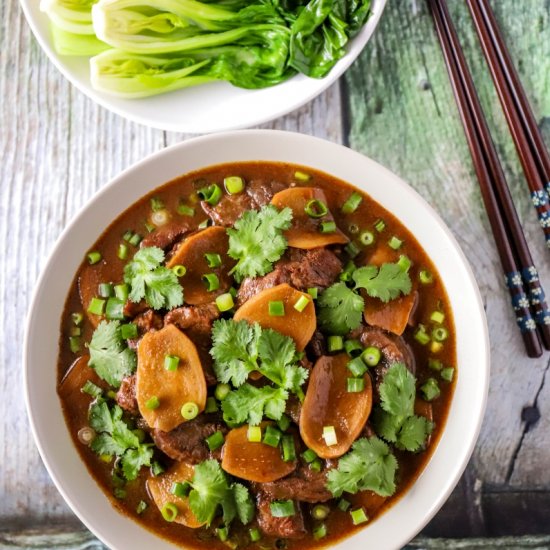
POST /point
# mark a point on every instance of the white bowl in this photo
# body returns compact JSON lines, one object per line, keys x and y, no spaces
{"x":403,"y":520}
{"x":203,"y":109}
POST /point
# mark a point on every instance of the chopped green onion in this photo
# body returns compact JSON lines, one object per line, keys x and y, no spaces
{"x":76,"y":331}
{"x":352,"y":250}
{"x":152,"y":403}
{"x":211,"y":405}
{"x":211,"y":281}
{"x":122,"y":291}
{"x":169,"y":511}
{"x":320,"y":511}
{"x":309,"y":455}
{"x":105,"y":290}
{"x":335,"y":343}
{"x":357,"y":367}
{"x":282,"y":508}
{"x":213,"y":260}
{"x":254,"y":434}
{"x":352,"y":203}
{"x":353,"y":228}
{"x":371,"y":356}
{"x":289,"y":450}
{"x":156,"y":468}
{"x":380,"y":225}
{"x":255,"y":534}
{"x":221,"y":391}
{"x":215,"y":441}
{"x":320,"y":531}
{"x":77,"y":318}
{"x":435,"y":364}
{"x":329,"y":435}
{"x":156,"y":204}
{"x":404,"y":263}
{"x":353,"y":347}
{"x":119,"y":493}
{"x":179,"y":270}
{"x":430,"y":389}
{"x":122,"y":252}
{"x":272,"y":436}
{"x":276,"y":308}
{"x":347,"y":274}
{"x":448,"y":374}
{"x":437,"y":317}
{"x":135,"y":239}
{"x":395,"y":243}
{"x":204,"y":224}
{"x":233,"y":184}
{"x":111,"y":394}
{"x":210,"y":194}
{"x":91,"y":389}
{"x":233,"y":292}
{"x":366,"y":238}
{"x":141,"y":507}
{"x":171,"y":362}
{"x":355,"y":385}
{"x":184,"y":210}
{"x":283,"y":423}
{"x":114,"y":310}
{"x":421,"y":336}
{"x":149,"y":226}
{"x":344,"y":504}
{"x":96,"y":307}
{"x":440,"y":334}
{"x":436,"y":347}
{"x":94,"y":257}
{"x":160,"y":217}
{"x":327,"y":227}
{"x":316,"y":465}
{"x":425,"y":277}
{"x":128,"y":235}
{"x":359,"y":516}
{"x":223,"y":533}
{"x":189,"y":410}
{"x":129,"y":331}
{"x":313,"y":292}
{"x":180,"y":490}
{"x":315,"y":208}
{"x":301,"y":303}
{"x":225,"y":302}
{"x":301,"y":176}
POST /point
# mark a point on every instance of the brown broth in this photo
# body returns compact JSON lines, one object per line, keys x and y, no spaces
{"x":431,"y":297}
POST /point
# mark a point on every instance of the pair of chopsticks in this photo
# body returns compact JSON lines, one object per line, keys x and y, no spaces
{"x":521,"y":275}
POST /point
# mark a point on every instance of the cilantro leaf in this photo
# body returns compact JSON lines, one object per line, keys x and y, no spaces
{"x":369,"y":466}
{"x":115,"y":438}
{"x":385,"y":283}
{"x":109,"y":356}
{"x":412,"y":434}
{"x":149,"y":279}
{"x":211,"y":489}
{"x":256,"y":240}
{"x":250,"y":404}
{"x":340,"y":309}
{"x":398,"y":390}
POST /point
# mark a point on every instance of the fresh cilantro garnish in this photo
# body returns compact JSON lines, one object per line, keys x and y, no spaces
{"x":256,"y":240}
{"x":212,"y":489}
{"x":385,"y":283}
{"x":369,"y":466}
{"x":109,"y":356}
{"x":239,"y":348}
{"x":114,"y":438}
{"x":151,"y":280}
{"x":340,"y":309}
{"x":395,"y":420}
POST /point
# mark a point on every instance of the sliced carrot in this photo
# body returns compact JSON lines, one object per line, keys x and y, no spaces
{"x":172,"y":388}
{"x":253,"y":461}
{"x":160,"y":489}
{"x":328,"y":403}
{"x":392,"y":316}
{"x":298,"y":325}
{"x":305,"y":231}
{"x":191,"y":254}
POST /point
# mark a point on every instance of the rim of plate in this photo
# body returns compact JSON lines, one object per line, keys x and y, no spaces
{"x":419,"y":504}
{"x":144,"y":111}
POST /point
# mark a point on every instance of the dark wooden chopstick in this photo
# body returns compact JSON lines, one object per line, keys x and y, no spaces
{"x":488,"y":171}
{"x":521,"y":121}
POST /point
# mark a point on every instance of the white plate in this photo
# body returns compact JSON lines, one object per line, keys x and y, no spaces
{"x":203,"y":109}
{"x":405,"y":519}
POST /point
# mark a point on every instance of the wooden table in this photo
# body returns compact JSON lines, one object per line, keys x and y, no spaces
{"x":396,"y":106}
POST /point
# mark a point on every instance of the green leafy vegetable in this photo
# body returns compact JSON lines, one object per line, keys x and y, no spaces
{"x":385,"y":283}
{"x":149,"y":279}
{"x":109,"y":356}
{"x":340,"y":309}
{"x":256,"y":240}
{"x":211,"y":489}
{"x":115,"y":438}
{"x":369,"y":466}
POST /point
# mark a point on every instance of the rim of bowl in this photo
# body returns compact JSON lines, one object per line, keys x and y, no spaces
{"x":293,"y":142}
{"x":355,"y":47}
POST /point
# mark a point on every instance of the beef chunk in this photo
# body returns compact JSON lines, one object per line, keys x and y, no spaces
{"x":317,"y":346}
{"x":126,"y":395}
{"x":187,"y":441}
{"x":291,"y":527}
{"x":146,"y":321}
{"x":293,"y":409}
{"x":165,"y":236}
{"x":302,"y":269}
{"x":257,"y":193}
